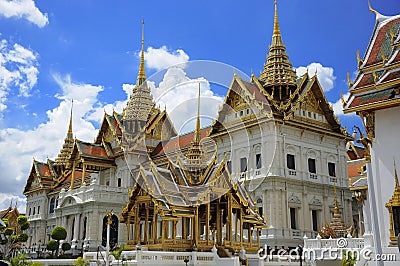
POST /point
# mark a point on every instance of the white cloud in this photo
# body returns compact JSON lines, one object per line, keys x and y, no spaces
{"x":161,"y":58}
{"x":18,"y":71}
{"x":20,"y":147}
{"x":325,"y":74}
{"x":338,"y":106}
{"x":179,"y":94}
{"x":23,"y":9}
{"x":6,"y":199}
{"x":177,"y":91}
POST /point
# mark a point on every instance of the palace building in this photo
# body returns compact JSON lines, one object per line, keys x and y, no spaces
{"x":263,"y":173}
{"x":375,"y":97}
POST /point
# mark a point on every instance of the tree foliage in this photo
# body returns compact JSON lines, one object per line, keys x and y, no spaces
{"x":23,"y":237}
{"x":80,"y":262}
{"x":22,"y":219}
{"x":15,"y":235}
{"x":66,"y":246}
{"x":59,"y":233}
{"x":52,"y":245}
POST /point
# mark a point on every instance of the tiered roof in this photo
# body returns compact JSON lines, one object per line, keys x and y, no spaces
{"x":377,"y":83}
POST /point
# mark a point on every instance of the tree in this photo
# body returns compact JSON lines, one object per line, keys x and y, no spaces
{"x":59,"y":233}
{"x":52,"y":245}
{"x":15,"y":235}
{"x":66,"y":246}
{"x":80,"y":262}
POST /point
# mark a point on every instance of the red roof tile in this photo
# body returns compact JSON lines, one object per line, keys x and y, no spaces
{"x":90,"y":149}
{"x":179,"y":142}
{"x":382,"y":33}
{"x":374,"y":97}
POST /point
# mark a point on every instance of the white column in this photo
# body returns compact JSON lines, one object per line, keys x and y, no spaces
{"x":76,"y":227}
{"x":64,"y":222}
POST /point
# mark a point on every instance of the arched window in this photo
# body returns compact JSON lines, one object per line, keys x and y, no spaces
{"x":119,"y":182}
{"x":52,"y":204}
{"x":113,"y":231}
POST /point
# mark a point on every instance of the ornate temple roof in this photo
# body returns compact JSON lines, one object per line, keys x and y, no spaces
{"x":63,"y":156}
{"x":140,"y":102}
{"x":308,"y":97}
{"x":377,"y":83}
{"x":278,"y":71}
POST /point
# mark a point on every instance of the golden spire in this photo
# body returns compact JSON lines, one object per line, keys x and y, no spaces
{"x":142,"y":73}
{"x":197,"y":133}
{"x":278,"y":72}
{"x":276,"y":36}
{"x":63,"y":156}
{"x":140,"y":102}
{"x":396,"y":179}
{"x":69,"y":134}
{"x":336,"y":208}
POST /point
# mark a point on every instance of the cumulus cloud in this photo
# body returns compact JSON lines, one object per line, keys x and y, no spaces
{"x":18,"y":71}
{"x":20,"y":147}
{"x":325,"y":74}
{"x":23,"y":9}
{"x":178,"y":93}
{"x":338,"y":106}
{"x":161,"y":58}
{"x":7,"y":199}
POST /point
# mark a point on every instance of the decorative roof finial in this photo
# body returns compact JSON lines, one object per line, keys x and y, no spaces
{"x":142,"y":73}
{"x":359,"y":60}
{"x":371,"y":9}
{"x":197,"y":133}
{"x":69,"y":134}
{"x":278,"y":70}
{"x":396,"y":178}
{"x":336,"y":208}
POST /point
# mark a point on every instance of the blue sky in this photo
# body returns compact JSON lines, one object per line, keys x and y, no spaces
{"x":53,"y":51}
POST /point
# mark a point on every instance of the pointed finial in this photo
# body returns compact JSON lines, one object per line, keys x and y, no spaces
{"x":197,"y":133}
{"x":344,"y":102}
{"x":69,"y":134}
{"x":316,"y":72}
{"x":11,"y":203}
{"x":359,"y":61}
{"x":396,"y":178}
{"x":349,"y":80}
{"x":276,"y":36}
{"x":371,"y":9}
{"x":336,"y":208}
{"x":142,"y":74}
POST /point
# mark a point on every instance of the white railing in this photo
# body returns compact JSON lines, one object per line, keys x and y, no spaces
{"x":145,"y":257}
{"x":313,"y":176}
{"x":348,"y":242}
{"x":292,"y":172}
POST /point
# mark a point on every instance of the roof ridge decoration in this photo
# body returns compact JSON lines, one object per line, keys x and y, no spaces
{"x":278,"y":73}
{"x":379,"y":16}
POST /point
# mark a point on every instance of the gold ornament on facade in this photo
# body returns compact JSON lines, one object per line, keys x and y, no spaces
{"x":394,"y":203}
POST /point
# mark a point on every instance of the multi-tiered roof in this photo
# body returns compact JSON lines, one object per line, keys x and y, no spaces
{"x":377,"y":85}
